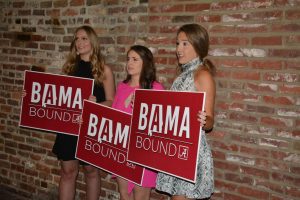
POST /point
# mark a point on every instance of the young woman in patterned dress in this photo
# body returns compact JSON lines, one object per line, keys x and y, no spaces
{"x":196,"y":74}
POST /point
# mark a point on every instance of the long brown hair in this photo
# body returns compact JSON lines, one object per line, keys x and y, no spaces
{"x":198,"y":37}
{"x":148,"y":73}
{"x":96,"y":58}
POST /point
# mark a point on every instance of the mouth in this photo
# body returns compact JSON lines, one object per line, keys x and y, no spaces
{"x":80,"y":47}
{"x":179,"y":55}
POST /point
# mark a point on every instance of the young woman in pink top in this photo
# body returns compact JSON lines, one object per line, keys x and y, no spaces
{"x":141,"y":73}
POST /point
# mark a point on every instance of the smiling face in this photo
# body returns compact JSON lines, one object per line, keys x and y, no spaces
{"x":83,"y":45}
{"x":184,"y":49}
{"x":134,"y":64}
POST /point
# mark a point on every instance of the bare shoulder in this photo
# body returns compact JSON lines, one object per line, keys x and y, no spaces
{"x":203,"y":76}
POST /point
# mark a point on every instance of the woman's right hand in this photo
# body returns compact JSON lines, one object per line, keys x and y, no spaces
{"x":132,"y":101}
{"x":23,"y":93}
{"x":92,"y":98}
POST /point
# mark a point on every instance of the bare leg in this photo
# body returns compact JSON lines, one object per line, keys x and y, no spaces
{"x":67,"y":183}
{"x":177,"y":197}
{"x":92,"y":179}
{"x":141,"y":193}
{"x":123,"y":189}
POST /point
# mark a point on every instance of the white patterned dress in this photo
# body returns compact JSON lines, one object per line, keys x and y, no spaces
{"x":204,"y":186}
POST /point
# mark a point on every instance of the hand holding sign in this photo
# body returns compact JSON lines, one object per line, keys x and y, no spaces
{"x":202,"y":118}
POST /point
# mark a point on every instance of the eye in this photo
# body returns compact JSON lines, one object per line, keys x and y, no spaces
{"x":185,"y":43}
{"x":177,"y":43}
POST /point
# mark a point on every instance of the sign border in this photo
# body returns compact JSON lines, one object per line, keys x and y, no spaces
{"x":41,"y":129}
{"x":111,"y":173}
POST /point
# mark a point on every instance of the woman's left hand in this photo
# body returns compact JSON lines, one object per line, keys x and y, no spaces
{"x":80,"y":120}
{"x":202,"y":118}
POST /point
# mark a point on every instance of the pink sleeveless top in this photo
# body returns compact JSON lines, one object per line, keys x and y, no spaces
{"x":122,"y":101}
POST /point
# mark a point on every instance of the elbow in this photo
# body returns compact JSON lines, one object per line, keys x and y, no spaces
{"x":208,"y":130}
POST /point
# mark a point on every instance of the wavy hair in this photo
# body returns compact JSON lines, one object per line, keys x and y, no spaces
{"x":96,"y":58}
{"x":148,"y":73}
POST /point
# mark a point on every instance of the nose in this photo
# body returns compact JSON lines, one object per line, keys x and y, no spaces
{"x":79,"y":41}
{"x":178,"y":48}
{"x":129,"y":61}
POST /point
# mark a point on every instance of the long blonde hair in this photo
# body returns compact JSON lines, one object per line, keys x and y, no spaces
{"x":96,"y":58}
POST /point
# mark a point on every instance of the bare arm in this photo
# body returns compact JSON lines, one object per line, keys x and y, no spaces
{"x":204,"y":82}
{"x":109,"y":86}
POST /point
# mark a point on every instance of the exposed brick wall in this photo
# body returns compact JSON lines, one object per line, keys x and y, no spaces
{"x":254,"y":44}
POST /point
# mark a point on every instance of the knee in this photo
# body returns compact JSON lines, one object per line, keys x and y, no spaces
{"x":69,"y":173}
{"x":91,"y":172}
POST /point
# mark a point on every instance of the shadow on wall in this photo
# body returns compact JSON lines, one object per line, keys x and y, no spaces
{"x":38,"y":68}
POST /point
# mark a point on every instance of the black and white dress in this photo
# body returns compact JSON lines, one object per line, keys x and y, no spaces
{"x":204,"y":186}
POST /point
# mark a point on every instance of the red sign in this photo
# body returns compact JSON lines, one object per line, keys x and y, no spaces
{"x":103,"y":141}
{"x":54,"y":102}
{"x":165,"y":133}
